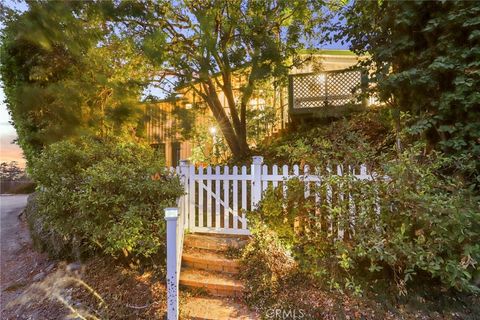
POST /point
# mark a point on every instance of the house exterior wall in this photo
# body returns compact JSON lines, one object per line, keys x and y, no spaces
{"x":163,"y":128}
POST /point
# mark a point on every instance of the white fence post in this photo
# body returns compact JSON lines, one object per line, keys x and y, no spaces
{"x":256,"y":180}
{"x":171,"y":216}
{"x":185,"y":179}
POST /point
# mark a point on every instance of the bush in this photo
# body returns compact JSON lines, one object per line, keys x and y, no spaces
{"x":265,"y":266}
{"x":428,"y":226}
{"x":354,"y":140}
{"x":98,"y":192}
{"x":44,"y":237}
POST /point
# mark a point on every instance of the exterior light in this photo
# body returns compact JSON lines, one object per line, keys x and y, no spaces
{"x":213,"y":130}
{"x":320,"y":79}
{"x":171,"y":213}
{"x":188,"y":106}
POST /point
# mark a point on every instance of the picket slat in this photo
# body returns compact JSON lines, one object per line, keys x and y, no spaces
{"x":235,"y":199}
{"x":341,"y":231}
{"x":275,"y":173}
{"x":226,"y":200}
{"x":191,"y":197}
{"x":209,"y":198}
{"x":217,"y":203}
{"x":200,"y":197}
{"x":306,"y":172}
{"x":264,"y":181}
{"x":284,"y":179}
{"x":244,"y":196}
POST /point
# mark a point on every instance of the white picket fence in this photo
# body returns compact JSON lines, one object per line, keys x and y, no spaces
{"x":217,"y":200}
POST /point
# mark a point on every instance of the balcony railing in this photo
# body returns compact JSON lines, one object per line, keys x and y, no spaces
{"x":317,"y":92}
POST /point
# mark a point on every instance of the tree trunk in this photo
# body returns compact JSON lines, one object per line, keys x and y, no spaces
{"x":237,"y":144}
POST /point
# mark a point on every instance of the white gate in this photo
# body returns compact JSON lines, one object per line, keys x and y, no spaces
{"x":220,"y":197}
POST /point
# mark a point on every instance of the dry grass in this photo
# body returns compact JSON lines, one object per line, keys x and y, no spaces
{"x":98,"y":289}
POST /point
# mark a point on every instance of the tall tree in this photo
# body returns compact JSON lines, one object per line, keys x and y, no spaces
{"x":65,"y":72}
{"x":426,"y":61}
{"x":205,"y":44}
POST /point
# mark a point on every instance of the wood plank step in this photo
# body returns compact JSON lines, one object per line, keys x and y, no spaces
{"x":214,"y":242}
{"x":217,"y":284}
{"x":203,"y":308}
{"x":209,"y":260}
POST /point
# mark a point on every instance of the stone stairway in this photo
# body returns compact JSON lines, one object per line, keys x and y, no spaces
{"x":207,"y":269}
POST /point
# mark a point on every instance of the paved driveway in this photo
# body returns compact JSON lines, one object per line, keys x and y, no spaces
{"x":12,"y":236}
{"x":19,"y":263}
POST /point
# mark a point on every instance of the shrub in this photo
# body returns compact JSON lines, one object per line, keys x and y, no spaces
{"x":265,"y":266}
{"x":363,"y":136}
{"x":428,"y":225}
{"x":98,"y":192}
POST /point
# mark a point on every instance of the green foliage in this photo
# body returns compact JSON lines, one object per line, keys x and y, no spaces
{"x":428,"y":226}
{"x":99,"y":193}
{"x":260,"y":124}
{"x":210,"y":146}
{"x":207,"y":46}
{"x":358,"y":139}
{"x":65,"y":74}
{"x":424,"y":60}
{"x":265,"y":267}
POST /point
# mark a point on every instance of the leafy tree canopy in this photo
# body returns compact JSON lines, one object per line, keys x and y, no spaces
{"x":65,"y":73}
{"x":425,"y":58}
{"x":75,"y":66}
{"x":206,"y":44}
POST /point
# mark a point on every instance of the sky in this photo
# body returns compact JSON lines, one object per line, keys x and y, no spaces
{"x":8,"y":150}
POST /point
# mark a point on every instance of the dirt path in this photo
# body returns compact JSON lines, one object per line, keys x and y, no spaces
{"x":20,"y":265}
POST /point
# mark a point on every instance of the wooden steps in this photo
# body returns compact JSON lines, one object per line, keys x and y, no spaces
{"x":209,"y":260}
{"x":215,"y":283}
{"x":214,"y":242}
{"x":206,"y":267}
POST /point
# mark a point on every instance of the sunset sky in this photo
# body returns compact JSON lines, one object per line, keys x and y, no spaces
{"x":8,"y":151}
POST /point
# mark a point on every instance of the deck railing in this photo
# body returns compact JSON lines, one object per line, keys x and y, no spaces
{"x":323,"y":91}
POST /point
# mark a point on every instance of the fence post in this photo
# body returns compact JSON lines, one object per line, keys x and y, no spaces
{"x":257,"y":180}
{"x":185,"y":179}
{"x":171,"y":217}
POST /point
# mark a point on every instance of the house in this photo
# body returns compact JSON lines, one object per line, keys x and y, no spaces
{"x":321,"y":82}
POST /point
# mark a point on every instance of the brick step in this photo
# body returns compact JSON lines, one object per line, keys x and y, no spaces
{"x":208,"y":308}
{"x":209,"y":260}
{"x":215,"y":283}
{"x":215,"y":242}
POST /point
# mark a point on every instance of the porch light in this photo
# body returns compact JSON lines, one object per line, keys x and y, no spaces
{"x":188,"y":106}
{"x":213,"y":130}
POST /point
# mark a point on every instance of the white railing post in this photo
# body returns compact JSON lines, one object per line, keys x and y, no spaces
{"x":171,"y":217}
{"x":256,"y":180}
{"x":185,"y":179}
